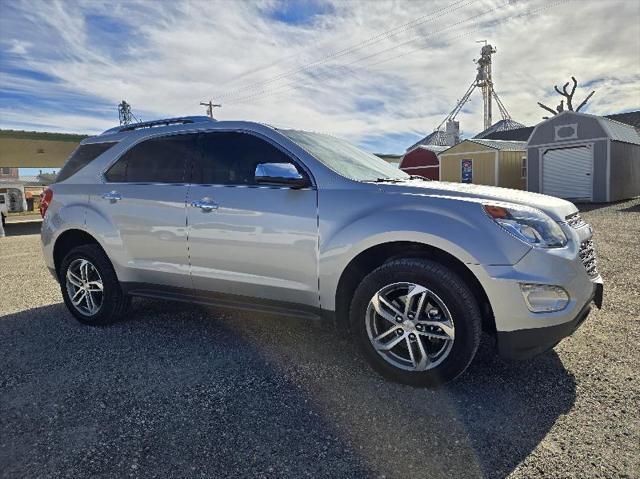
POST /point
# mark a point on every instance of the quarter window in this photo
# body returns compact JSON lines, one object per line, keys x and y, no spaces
{"x":81,"y":157}
{"x":229,"y":158}
{"x":159,"y":160}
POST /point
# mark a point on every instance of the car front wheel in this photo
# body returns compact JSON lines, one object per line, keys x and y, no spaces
{"x":416,"y":321}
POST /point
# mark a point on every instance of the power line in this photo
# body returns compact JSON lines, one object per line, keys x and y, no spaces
{"x":358,"y":60}
{"x":294,"y":85}
{"x":345,"y":51}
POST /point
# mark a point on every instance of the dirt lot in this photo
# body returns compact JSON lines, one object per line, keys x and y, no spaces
{"x":181,"y":391}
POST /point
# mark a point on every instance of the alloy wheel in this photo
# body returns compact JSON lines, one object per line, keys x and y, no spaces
{"x":410,"y":326}
{"x":84,"y":286}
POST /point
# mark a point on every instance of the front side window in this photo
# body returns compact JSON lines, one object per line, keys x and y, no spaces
{"x":345,"y":158}
{"x":231,"y":158}
{"x":158,"y":160}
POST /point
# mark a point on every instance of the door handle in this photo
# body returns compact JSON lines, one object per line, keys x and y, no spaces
{"x":112,"y":196}
{"x":205,"y":204}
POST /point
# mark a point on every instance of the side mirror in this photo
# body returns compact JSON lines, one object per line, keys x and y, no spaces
{"x":280,"y":174}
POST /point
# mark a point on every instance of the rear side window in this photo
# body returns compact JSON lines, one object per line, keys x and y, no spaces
{"x":159,"y":160}
{"x":231,"y":158}
{"x":81,"y":157}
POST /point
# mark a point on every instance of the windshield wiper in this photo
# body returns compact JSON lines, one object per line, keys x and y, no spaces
{"x":387,"y":180}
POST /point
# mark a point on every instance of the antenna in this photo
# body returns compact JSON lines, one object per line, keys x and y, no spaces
{"x":210,"y":106}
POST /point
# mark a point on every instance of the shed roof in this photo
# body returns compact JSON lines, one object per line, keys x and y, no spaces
{"x":630,"y":118}
{"x":433,"y":148}
{"x":518,"y":134}
{"x":505,"y":124}
{"x":615,"y":130}
{"x":620,"y":131}
{"x":435,"y":138}
{"x":501,"y":145}
{"x":493,"y":144}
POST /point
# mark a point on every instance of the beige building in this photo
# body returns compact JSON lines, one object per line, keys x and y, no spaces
{"x":486,"y":162}
{"x":35,"y":149}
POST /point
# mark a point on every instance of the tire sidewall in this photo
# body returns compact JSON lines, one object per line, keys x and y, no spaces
{"x":455,"y":295}
{"x":111,"y":288}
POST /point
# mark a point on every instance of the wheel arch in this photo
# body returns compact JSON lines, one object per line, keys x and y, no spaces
{"x":371,"y":258}
{"x":68,"y":240}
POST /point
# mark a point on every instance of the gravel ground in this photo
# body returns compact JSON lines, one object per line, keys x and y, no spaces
{"x":183,"y":391}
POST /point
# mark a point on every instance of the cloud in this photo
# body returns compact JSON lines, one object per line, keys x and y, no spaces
{"x":66,"y":65}
{"x":18,"y":47}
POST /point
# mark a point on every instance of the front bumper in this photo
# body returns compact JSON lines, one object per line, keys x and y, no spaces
{"x":527,"y":343}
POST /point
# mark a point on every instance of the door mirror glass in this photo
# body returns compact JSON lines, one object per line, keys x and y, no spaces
{"x":284,"y":174}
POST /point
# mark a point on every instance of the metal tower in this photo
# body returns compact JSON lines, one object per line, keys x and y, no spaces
{"x":451,"y":133}
{"x":485,"y":81}
{"x":124,"y":113}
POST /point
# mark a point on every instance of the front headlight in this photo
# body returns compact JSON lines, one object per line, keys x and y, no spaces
{"x":528,"y":224}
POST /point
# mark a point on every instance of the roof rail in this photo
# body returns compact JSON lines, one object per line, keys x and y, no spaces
{"x":164,"y":122}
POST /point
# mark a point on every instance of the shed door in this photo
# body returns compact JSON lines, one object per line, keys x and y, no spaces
{"x":567,"y":173}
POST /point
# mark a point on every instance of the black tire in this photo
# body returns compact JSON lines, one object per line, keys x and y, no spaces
{"x":114,"y":302}
{"x":455,"y":294}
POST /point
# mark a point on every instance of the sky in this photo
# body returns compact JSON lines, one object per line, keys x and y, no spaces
{"x":380,"y":73}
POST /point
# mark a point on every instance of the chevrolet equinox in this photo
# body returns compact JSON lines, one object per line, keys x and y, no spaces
{"x":242,"y":215}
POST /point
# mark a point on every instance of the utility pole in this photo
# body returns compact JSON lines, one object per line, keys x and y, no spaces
{"x":210,"y":106}
{"x":124,"y":113}
{"x":485,"y":81}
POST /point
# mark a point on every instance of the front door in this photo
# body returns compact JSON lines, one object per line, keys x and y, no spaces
{"x":145,"y":197}
{"x":247,"y":239}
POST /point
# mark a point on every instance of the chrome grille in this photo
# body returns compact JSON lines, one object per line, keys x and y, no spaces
{"x":588,"y":257}
{"x":575,"y":221}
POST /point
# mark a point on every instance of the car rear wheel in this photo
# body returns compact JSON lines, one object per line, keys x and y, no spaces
{"x":90,"y":287}
{"x":416,"y":321}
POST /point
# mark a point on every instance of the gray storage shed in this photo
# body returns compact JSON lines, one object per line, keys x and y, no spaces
{"x":584,"y":157}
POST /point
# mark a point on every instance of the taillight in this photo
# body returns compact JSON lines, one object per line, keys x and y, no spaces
{"x":47,"y":196}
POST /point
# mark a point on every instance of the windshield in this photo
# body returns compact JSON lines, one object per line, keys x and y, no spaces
{"x":344,"y":158}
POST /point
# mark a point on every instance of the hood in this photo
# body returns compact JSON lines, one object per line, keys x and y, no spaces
{"x":557,"y":208}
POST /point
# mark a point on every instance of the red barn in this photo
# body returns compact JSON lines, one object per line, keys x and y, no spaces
{"x":423,"y":161}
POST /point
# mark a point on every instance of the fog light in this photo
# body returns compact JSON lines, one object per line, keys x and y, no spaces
{"x":544,"y":298}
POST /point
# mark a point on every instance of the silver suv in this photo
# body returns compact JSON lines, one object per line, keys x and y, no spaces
{"x":245,"y":216}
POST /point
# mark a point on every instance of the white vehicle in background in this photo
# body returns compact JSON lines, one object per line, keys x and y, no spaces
{"x":4,"y":208}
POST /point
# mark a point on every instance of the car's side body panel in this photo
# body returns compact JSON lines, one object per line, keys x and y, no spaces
{"x":354,"y":221}
{"x":260,"y":242}
{"x":145,"y":231}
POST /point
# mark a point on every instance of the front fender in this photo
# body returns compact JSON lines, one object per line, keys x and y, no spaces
{"x":457,"y":227}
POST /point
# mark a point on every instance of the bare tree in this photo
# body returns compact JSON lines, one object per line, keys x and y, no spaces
{"x":569,"y":96}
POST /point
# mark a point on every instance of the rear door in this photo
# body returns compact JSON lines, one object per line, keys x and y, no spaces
{"x":145,"y":198}
{"x":567,"y":172}
{"x":251,"y":240}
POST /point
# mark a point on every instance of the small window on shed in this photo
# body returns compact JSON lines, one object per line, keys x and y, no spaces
{"x":524,"y":167}
{"x":81,"y":157}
